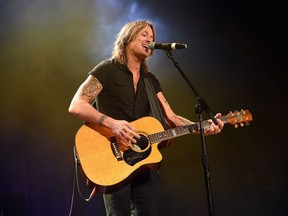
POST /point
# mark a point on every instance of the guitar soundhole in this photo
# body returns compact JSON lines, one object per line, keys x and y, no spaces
{"x":142,"y":142}
{"x":142,"y":151}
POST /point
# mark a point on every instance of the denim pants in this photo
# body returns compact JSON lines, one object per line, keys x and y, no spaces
{"x":138,"y":198}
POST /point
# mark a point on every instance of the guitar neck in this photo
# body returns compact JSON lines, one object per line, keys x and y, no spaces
{"x":207,"y":124}
{"x":178,"y":131}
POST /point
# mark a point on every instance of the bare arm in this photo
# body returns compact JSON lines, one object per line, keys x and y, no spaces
{"x":81,"y":103}
{"x":171,"y":118}
{"x":81,"y":107}
{"x":176,"y":120}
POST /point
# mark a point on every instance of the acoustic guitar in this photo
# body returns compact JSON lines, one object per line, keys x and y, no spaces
{"x":108,"y":164}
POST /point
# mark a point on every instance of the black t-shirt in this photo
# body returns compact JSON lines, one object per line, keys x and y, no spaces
{"x":118,"y":98}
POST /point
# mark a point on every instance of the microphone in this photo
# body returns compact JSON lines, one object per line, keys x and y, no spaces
{"x":167,"y":46}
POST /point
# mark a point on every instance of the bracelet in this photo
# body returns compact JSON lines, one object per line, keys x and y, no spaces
{"x":101,"y":120}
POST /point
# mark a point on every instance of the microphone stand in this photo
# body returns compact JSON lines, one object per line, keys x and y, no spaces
{"x":201,"y":106}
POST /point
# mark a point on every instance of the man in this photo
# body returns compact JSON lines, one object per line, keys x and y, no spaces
{"x":118,"y":85}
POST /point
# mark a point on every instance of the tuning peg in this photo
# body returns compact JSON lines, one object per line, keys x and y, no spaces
{"x":236,"y":125}
{"x":247,"y":123}
{"x":241,"y":124}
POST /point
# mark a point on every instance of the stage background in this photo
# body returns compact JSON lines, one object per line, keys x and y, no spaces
{"x":236,"y":58}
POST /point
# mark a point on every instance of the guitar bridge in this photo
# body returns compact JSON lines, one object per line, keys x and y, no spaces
{"x":115,"y":148}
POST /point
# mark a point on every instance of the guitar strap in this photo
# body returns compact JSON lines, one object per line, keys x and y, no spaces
{"x":153,"y":101}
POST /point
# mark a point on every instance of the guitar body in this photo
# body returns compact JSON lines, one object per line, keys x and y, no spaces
{"x":109,"y":169}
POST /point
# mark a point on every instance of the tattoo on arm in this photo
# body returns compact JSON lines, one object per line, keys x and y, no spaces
{"x":92,"y":89}
{"x":166,"y":102}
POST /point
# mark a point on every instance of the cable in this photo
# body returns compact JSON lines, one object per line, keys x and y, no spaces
{"x":76,"y":182}
{"x":73,"y":190}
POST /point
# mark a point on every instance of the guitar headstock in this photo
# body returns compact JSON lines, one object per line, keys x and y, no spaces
{"x":236,"y":118}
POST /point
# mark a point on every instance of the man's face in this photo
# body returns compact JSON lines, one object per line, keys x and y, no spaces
{"x":139,"y":45}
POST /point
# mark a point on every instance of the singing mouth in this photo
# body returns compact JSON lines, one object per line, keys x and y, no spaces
{"x":146,"y":47}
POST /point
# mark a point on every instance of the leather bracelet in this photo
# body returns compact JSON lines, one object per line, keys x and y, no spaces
{"x":101,"y":120}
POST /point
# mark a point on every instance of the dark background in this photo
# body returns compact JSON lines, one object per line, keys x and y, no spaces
{"x":236,"y":58}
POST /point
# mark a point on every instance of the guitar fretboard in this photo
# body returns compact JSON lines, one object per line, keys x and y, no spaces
{"x":168,"y":134}
{"x":178,"y":131}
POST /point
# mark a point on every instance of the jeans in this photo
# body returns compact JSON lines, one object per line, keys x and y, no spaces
{"x":138,"y":198}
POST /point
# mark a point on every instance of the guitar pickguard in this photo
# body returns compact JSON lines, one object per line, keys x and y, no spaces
{"x":132,"y":157}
